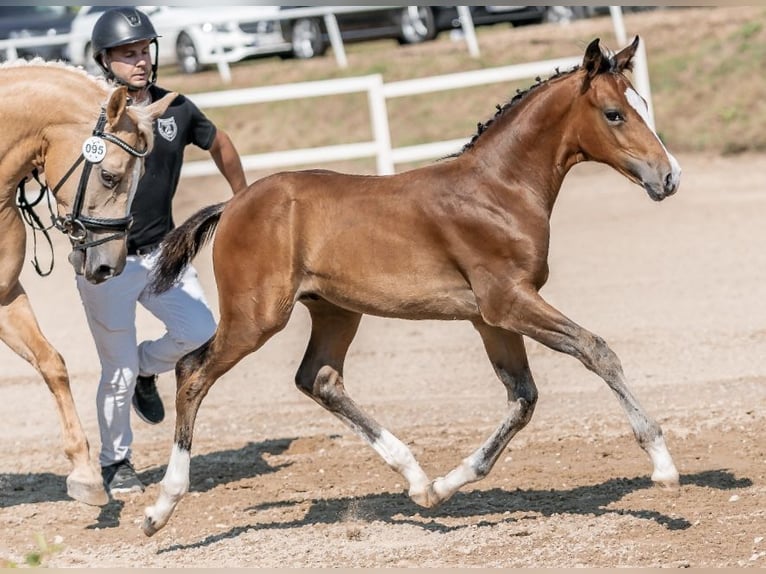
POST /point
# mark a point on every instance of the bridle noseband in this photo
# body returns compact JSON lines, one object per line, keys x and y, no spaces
{"x":76,"y":225}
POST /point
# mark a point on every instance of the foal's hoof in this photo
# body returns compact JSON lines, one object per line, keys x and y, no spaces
{"x":668,"y":480}
{"x":149,"y":526}
{"x":671,"y":487}
{"x":427,"y":497}
{"x":87,"y":492}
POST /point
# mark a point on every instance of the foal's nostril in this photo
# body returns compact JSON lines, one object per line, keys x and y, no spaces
{"x":670,"y":184}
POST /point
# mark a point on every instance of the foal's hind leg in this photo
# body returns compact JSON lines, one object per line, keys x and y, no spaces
{"x":509,"y":359}
{"x":537,"y":319}
{"x":20,"y":331}
{"x":320,"y":376}
{"x":237,"y":335}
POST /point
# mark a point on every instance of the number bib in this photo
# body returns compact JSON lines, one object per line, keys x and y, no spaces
{"x":94,"y":149}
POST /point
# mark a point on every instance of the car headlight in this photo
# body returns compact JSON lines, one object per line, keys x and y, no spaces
{"x":225,"y":27}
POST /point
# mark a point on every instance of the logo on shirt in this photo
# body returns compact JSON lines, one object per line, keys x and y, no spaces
{"x":167,"y":128}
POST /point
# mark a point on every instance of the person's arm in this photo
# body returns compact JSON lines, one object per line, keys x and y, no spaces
{"x":227,"y":159}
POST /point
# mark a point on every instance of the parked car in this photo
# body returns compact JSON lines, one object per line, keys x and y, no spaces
{"x":33,"y":21}
{"x":410,"y":24}
{"x":591,"y":11}
{"x":308,"y":35}
{"x":191,"y":37}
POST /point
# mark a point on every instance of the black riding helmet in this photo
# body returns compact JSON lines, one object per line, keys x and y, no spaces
{"x":122,"y":26}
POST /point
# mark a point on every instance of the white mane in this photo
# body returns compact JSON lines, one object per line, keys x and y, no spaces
{"x":40,"y":62}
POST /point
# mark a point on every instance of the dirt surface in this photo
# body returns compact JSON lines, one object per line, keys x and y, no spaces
{"x":676,"y":288}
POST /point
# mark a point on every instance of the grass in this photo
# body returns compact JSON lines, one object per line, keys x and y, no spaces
{"x":35,"y":558}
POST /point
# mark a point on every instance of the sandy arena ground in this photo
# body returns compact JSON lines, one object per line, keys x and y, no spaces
{"x":676,"y":288}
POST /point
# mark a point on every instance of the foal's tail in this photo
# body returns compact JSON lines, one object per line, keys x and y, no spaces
{"x":181,"y":245}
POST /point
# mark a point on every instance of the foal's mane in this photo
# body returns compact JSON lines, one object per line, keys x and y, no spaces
{"x":502,"y":109}
{"x":608,"y":64}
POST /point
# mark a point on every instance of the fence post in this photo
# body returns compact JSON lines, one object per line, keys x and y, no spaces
{"x":380,"y":130}
{"x":336,"y":41}
{"x":223,"y":66}
{"x":641,"y":65}
{"x":466,"y":23}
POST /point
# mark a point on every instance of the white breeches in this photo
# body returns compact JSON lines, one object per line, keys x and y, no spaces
{"x":110,"y":308}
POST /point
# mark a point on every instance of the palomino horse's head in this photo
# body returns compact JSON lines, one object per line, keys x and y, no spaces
{"x":614,"y":126}
{"x":94,"y":201}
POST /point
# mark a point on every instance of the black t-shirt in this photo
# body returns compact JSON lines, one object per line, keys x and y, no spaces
{"x":182,"y":124}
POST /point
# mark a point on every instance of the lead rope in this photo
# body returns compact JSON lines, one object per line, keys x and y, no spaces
{"x":30,"y":217}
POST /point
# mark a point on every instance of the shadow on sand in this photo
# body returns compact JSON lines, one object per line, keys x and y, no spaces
{"x":247,"y":462}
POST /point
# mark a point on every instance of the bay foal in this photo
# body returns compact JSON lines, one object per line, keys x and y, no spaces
{"x":462,"y":239}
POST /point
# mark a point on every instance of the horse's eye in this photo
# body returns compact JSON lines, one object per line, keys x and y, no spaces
{"x":109,"y":179}
{"x":614,"y":116}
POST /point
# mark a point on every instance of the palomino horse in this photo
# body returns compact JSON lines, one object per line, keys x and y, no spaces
{"x":49,"y":113}
{"x":465,"y":238}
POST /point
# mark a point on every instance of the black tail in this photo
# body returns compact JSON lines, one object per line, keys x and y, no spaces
{"x":181,"y":245}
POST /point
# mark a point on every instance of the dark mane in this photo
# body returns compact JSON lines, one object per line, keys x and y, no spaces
{"x":608,"y":64}
{"x":520,"y":95}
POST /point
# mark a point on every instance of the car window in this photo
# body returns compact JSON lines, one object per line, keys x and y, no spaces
{"x":27,"y":11}
{"x":99,"y":9}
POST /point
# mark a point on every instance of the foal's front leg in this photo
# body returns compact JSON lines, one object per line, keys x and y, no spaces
{"x":194,"y":377}
{"x":535,"y":318}
{"x":237,"y":335}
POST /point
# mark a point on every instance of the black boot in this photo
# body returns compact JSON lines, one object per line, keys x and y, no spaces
{"x":147,"y":401}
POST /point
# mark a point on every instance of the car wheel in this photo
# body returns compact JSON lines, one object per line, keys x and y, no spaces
{"x":565,"y":14}
{"x":306,"y":38}
{"x":186,"y":54}
{"x":416,"y":25}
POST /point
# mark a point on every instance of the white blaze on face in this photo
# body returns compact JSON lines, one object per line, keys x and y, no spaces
{"x":638,"y":104}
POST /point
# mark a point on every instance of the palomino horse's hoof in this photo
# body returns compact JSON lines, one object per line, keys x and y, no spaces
{"x":87,"y":492}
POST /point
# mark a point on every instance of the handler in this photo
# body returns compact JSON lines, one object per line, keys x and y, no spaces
{"x":122,"y":39}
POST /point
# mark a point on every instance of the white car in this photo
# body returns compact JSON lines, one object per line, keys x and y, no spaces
{"x":193,"y":37}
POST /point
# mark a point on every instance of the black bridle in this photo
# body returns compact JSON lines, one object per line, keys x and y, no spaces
{"x":76,"y":225}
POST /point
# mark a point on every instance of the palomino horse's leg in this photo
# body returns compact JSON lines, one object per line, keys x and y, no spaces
{"x":320,"y":376}
{"x":535,"y":318}
{"x":237,"y":335}
{"x":20,"y":331}
{"x":509,"y":359}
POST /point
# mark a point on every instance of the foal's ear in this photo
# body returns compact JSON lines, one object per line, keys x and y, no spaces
{"x":623,"y":60}
{"x":116,"y":105}
{"x":594,"y":60}
{"x":156,"y":109}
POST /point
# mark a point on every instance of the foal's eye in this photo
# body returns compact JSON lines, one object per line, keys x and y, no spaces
{"x":109,"y":179}
{"x":614,"y":116}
